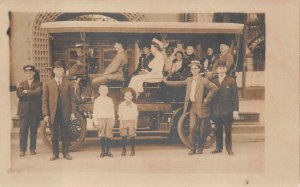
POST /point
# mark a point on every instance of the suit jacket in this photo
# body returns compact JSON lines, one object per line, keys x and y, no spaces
{"x":228,"y":58}
{"x":204,"y":90}
{"x":30,"y":103}
{"x":67,"y":99}
{"x":226,"y":100}
{"x":116,"y":66}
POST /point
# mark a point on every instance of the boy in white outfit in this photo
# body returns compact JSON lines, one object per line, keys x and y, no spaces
{"x":104,"y":119}
{"x":128,"y":115}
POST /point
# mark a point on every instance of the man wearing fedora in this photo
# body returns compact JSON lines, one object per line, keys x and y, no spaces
{"x":58,"y":109}
{"x":199,"y":93}
{"x":225,"y":107}
{"x":29,"y":92}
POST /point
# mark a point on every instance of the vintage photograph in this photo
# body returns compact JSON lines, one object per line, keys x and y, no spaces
{"x":137,"y":92}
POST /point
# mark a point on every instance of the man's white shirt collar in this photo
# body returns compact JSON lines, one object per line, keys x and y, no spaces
{"x":30,"y":82}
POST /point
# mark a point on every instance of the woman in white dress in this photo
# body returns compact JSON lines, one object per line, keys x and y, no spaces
{"x":154,"y":72}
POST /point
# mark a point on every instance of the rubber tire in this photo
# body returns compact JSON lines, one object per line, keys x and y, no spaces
{"x":185,"y":140}
{"x":173,"y":136}
{"x":74,"y":146}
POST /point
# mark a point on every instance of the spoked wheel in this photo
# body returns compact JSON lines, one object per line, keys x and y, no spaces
{"x":173,"y":136}
{"x":77,"y":132}
{"x":184,"y":130}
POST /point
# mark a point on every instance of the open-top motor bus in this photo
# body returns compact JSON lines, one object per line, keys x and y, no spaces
{"x":160,"y":111}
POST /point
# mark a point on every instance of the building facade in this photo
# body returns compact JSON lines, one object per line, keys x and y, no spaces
{"x":31,"y":45}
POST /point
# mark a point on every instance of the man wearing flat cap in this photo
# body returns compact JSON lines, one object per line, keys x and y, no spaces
{"x":29,"y":92}
{"x":79,"y":68}
{"x":199,"y":93}
{"x":58,"y":109}
{"x":225,"y":107}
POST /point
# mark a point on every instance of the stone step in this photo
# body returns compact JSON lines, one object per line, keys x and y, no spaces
{"x":253,"y":93}
{"x":247,"y":127}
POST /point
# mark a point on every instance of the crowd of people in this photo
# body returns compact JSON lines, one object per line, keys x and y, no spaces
{"x":211,"y":93}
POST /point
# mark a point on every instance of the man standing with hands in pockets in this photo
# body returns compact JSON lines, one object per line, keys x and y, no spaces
{"x":199,"y":92}
{"x":225,"y":107}
{"x":58,"y":108}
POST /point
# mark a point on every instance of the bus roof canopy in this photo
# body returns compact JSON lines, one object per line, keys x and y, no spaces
{"x":142,"y":27}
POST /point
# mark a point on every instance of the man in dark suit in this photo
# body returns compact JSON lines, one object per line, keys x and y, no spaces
{"x":199,"y":92}
{"x":58,"y":108}
{"x":225,"y":107}
{"x":29,"y":109}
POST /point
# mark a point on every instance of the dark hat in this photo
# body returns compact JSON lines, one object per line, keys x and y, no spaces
{"x":121,"y":40}
{"x":58,"y":64}
{"x":221,"y":64}
{"x":208,"y":45}
{"x":225,"y":40}
{"x":172,"y":44}
{"x":195,"y":62}
{"x":29,"y":68}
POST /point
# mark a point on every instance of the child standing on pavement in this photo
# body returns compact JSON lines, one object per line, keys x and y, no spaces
{"x":104,"y":119}
{"x":128,"y":115}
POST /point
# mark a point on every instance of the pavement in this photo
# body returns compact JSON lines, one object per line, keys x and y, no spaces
{"x":155,"y":155}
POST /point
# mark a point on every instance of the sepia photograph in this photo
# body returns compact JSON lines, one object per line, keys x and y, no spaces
{"x":140,"y":85}
{"x":120,"y":94}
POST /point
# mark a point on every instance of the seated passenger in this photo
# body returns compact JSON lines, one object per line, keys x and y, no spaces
{"x":154,"y":71}
{"x":187,"y":58}
{"x":78,"y":68}
{"x":144,"y":60}
{"x":227,"y":57}
{"x":175,"y":73}
{"x":169,"y":56}
{"x":209,"y":60}
{"x":114,"y":71}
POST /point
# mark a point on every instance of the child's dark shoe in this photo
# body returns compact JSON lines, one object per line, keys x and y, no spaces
{"x":123,"y":152}
{"x":132,"y":153}
{"x":108,"y":153}
{"x":102,"y":154}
